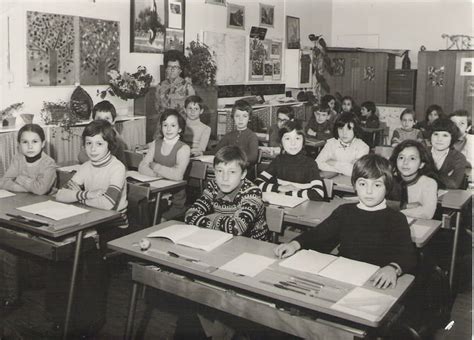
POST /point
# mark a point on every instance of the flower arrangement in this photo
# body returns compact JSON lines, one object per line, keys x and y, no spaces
{"x":202,"y":66}
{"x":59,"y":113}
{"x":126,"y":85}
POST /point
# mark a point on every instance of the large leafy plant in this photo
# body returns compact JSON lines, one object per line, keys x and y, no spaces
{"x":202,"y":66}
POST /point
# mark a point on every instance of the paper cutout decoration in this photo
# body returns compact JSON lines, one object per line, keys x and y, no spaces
{"x":81,"y":103}
{"x":339,"y":66}
{"x":436,"y":76}
{"x":369,"y":73}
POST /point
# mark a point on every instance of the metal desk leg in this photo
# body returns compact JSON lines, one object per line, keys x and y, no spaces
{"x":157,"y":208}
{"x":131,"y":312}
{"x":72,"y":286}
{"x":455,"y":248}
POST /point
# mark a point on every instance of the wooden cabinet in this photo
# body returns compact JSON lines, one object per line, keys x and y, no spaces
{"x":401,"y":87}
{"x":440,"y":81}
{"x":361,"y":75}
{"x":298,"y":68}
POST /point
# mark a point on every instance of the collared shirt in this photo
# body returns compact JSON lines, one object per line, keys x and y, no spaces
{"x":439,"y":157}
{"x":230,"y":196}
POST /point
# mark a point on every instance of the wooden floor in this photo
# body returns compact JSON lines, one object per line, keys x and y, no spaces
{"x":29,"y":321}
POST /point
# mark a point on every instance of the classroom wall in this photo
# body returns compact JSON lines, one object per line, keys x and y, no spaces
{"x":400,"y":24}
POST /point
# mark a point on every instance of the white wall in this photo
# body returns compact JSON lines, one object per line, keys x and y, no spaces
{"x":401,"y":24}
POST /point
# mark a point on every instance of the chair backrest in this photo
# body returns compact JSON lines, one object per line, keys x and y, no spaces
{"x":197,"y":173}
{"x":328,"y":183}
{"x":274,"y":217}
{"x":384,"y":151}
{"x":138,"y":197}
{"x":132,"y":159}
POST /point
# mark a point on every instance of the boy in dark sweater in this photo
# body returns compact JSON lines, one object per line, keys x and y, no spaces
{"x":367,"y":231}
{"x":319,"y":125}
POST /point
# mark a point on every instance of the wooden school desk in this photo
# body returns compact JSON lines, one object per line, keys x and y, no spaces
{"x":194,"y":275}
{"x":39,"y":247}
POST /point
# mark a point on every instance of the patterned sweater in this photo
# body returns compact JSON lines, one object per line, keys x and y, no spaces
{"x":399,"y":135}
{"x":297,"y":170}
{"x":241,"y":213}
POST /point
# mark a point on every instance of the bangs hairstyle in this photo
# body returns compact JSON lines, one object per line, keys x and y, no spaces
{"x":290,"y":126}
{"x":327,"y":98}
{"x":462,"y":113}
{"x":370,"y":106}
{"x":31,"y":128}
{"x":229,"y":154}
{"x":172,"y":112}
{"x":346,"y":118}
{"x":373,"y":166}
{"x":408,"y":112}
{"x":104,"y":106}
{"x":425,"y":157}
{"x":101,"y":127}
{"x":434,"y":107}
{"x":195,"y":100}
{"x":286,"y":110}
{"x":241,"y":105}
{"x":446,"y":124}
{"x":323,"y":107}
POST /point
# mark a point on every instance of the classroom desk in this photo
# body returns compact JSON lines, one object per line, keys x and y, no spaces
{"x":43,"y":249}
{"x":159,"y":189}
{"x":244,"y":296}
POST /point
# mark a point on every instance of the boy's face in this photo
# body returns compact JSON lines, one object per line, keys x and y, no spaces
{"x":241,"y":119}
{"x":346,"y":133}
{"x":441,"y":140}
{"x":364,"y":112}
{"x":321,"y":117}
{"x":408,"y":121}
{"x":96,"y":147}
{"x":461,"y":123}
{"x":346,"y":105}
{"x":229,"y":175}
{"x":292,"y":142}
{"x":409,"y":162}
{"x":31,"y":144}
{"x":371,"y":192}
{"x":282,"y":119}
{"x":432,"y":116}
{"x":104,"y":115}
{"x":193,"y":111}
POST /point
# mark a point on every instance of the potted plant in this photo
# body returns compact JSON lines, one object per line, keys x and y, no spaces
{"x":128,"y":86}
{"x":7,"y":115}
{"x":59,"y":113}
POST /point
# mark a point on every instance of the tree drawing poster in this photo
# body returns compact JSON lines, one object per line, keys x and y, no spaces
{"x":100,"y":50}
{"x":50,"y":49}
{"x":64,"y":49}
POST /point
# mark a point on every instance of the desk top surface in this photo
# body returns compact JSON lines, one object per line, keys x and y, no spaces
{"x":208,"y":263}
{"x":57,"y":228}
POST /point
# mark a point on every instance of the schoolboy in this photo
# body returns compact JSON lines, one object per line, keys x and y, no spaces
{"x":196,"y":134}
{"x":105,"y":110}
{"x":230,"y":202}
{"x":407,"y":130}
{"x":284,"y":114}
{"x":367,"y":231}
{"x":432,"y":113}
{"x":319,"y":125}
{"x":368,"y":116}
{"x":242,"y":136}
{"x":465,"y":142}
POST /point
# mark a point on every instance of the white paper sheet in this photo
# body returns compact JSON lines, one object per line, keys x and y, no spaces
{"x":5,"y":193}
{"x":53,"y":210}
{"x":175,"y":232}
{"x":282,"y":200}
{"x":140,"y":177}
{"x":418,"y":231}
{"x":161,"y":183}
{"x":365,"y":303}
{"x":248,"y":264}
{"x":70,"y":168}
{"x":349,"y":271}
{"x":441,"y":192}
{"x":309,"y":261}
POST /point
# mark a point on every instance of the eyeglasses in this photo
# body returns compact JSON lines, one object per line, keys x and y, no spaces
{"x":173,"y":67}
{"x":282,"y":120}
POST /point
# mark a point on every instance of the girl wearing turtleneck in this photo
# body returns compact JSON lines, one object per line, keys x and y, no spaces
{"x":293,"y":173}
{"x":31,"y":170}
{"x":168,"y":157}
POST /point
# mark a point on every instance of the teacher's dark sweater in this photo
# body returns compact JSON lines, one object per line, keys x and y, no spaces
{"x":378,"y":237}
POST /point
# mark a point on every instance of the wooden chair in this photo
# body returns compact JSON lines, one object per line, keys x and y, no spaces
{"x":197,"y":174}
{"x":274,"y":217}
{"x":259,"y":160}
{"x":328,"y":183}
{"x":138,"y":197}
{"x":384,"y":151}
{"x":132,"y":159}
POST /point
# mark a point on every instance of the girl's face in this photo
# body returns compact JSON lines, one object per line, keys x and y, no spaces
{"x":409,"y":162}
{"x":96,"y":147}
{"x":31,"y":144}
{"x":432,"y":116}
{"x":241,"y":119}
{"x":441,"y":140}
{"x":346,"y":105}
{"x":193,"y":111}
{"x":332,"y":104}
{"x":282,"y":119}
{"x":292,"y":142}
{"x":170,"y":127}
{"x":346,"y":133}
{"x":408,"y":121}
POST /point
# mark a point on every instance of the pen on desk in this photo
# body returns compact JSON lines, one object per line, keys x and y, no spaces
{"x":296,"y":285}
{"x":184,"y":257}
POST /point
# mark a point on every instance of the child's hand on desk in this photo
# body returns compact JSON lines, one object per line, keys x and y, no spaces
{"x":95,"y":193}
{"x":287,"y":249}
{"x":286,"y":188}
{"x":385,"y":277}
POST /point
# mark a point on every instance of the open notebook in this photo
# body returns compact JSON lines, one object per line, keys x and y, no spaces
{"x":140,"y":177}
{"x":192,"y":236}
{"x":282,"y":200}
{"x":333,"y":267}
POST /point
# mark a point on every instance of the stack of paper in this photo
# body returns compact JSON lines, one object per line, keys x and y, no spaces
{"x":53,"y":210}
{"x":282,"y":200}
{"x":248,"y":264}
{"x":140,"y":177}
{"x":365,"y":303}
{"x":5,"y":193}
{"x":309,"y":261}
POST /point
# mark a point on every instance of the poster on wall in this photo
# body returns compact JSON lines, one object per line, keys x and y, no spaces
{"x":467,"y":66}
{"x":276,"y":69}
{"x":235,"y":16}
{"x":257,"y":57}
{"x":50,"y":49}
{"x":147,"y":25}
{"x":267,"y":15}
{"x":292,"y":32}
{"x":99,"y":50}
{"x":174,"y":40}
{"x":175,"y":14}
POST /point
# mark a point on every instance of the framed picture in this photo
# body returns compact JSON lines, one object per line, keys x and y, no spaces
{"x":275,"y":51}
{"x":276,"y":69}
{"x":147,"y":26}
{"x":467,"y":66}
{"x":235,"y":16}
{"x":174,"y":40}
{"x":258,"y":56}
{"x":175,"y":14}
{"x":216,"y":2}
{"x":292,"y":32}
{"x":267,"y":15}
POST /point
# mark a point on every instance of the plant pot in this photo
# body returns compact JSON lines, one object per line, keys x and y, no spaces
{"x":9,"y":122}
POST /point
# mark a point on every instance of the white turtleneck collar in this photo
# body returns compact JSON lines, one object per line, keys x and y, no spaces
{"x":380,"y":206}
